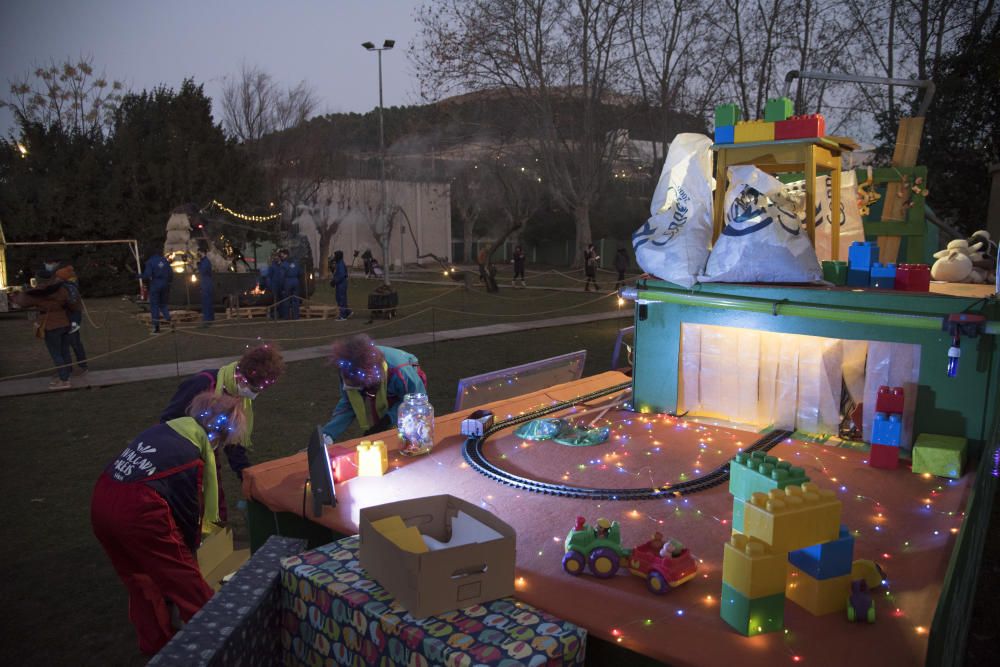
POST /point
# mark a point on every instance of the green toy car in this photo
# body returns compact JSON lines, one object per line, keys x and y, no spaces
{"x":598,"y":547}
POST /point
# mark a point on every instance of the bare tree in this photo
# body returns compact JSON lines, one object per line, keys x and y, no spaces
{"x":557,"y":60}
{"x":255,"y":105}
{"x":68,"y":95}
{"x":467,"y":192}
{"x":328,"y":206}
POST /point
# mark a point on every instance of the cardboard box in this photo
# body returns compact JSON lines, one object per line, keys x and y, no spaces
{"x":446,"y":578}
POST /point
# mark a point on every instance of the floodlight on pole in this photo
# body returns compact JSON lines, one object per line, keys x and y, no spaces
{"x":369,"y":46}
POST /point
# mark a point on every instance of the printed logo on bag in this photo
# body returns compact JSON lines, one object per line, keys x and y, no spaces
{"x":662,"y":236}
{"x":751,"y":206}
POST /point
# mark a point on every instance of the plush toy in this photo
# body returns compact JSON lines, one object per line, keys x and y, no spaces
{"x":989,"y":251}
{"x":956,"y":263}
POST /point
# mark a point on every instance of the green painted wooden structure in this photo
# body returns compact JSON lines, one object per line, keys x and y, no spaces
{"x":968,"y":405}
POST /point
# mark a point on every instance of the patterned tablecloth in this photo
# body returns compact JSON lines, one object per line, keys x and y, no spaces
{"x":239,"y":625}
{"x":332,"y":613}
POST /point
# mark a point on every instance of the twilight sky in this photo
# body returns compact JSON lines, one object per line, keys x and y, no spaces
{"x":144,"y":43}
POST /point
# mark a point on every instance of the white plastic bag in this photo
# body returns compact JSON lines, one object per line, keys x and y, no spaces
{"x":763,"y":240}
{"x":851,"y":227}
{"x":673,"y":244}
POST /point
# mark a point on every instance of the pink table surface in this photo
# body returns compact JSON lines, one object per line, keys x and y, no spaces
{"x":906,"y":522}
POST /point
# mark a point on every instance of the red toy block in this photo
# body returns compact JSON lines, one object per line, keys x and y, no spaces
{"x":800,"y":127}
{"x":344,"y":461}
{"x":889,"y":400}
{"x":913,"y":277}
{"x":884,"y":456}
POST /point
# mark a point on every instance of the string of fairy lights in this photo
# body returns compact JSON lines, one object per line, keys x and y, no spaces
{"x":243,"y":216}
{"x":715,"y":442}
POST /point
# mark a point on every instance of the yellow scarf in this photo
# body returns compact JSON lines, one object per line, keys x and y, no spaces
{"x":226,"y":381}
{"x":192,"y":430}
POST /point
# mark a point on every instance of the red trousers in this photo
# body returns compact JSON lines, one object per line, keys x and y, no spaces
{"x":137,"y":530}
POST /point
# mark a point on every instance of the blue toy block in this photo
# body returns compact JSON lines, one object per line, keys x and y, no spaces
{"x":858,"y":278}
{"x":827,"y":560}
{"x":862,"y":255}
{"x":887,"y":430}
{"x":725,"y":134}
{"x":883,"y":276}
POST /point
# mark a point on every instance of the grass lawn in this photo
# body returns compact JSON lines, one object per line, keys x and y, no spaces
{"x":63,"y":602}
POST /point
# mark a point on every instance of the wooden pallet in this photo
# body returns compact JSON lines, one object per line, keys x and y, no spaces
{"x":315,"y":312}
{"x":249,"y":312}
{"x":176,"y":316}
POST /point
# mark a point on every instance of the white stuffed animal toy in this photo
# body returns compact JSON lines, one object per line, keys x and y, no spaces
{"x":955,"y":263}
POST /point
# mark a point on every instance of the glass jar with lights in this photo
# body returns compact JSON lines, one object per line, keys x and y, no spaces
{"x":415,"y":425}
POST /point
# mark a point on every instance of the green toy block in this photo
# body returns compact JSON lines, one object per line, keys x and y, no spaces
{"x":835,"y":272}
{"x":739,"y":510}
{"x":726,"y":114}
{"x":757,"y":472}
{"x":779,"y":108}
{"x":752,"y":616}
{"x":941,"y":455}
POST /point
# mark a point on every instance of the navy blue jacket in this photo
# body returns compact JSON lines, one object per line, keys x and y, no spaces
{"x":291,"y":270}
{"x":181,"y":401}
{"x":171,"y":465}
{"x":205,"y":268}
{"x":157,"y":271}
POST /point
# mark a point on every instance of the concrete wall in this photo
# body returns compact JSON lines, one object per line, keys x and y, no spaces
{"x":353,"y":205}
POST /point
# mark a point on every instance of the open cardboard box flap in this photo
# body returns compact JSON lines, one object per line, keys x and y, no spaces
{"x":450,"y":577}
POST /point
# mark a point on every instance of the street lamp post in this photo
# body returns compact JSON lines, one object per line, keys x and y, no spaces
{"x":386,"y":46}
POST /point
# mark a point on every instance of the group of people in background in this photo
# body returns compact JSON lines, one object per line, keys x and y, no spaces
{"x":55,"y":295}
{"x":283,"y":278}
{"x":153,"y":503}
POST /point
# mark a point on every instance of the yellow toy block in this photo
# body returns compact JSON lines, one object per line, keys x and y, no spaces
{"x":753,"y":130}
{"x":793,"y":518}
{"x":817,"y":596}
{"x":373,"y":458}
{"x":750,"y":567}
{"x":405,"y":537}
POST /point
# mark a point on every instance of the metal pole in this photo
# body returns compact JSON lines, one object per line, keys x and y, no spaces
{"x":381,"y":153}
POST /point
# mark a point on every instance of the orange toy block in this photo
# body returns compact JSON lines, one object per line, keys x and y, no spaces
{"x":817,"y":596}
{"x":793,"y":518}
{"x":752,"y":568}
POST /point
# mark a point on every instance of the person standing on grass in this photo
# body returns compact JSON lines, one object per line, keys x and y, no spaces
{"x":52,"y":300}
{"x":339,"y":282}
{"x":65,"y":273}
{"x":276,"y":279}
{"x":590,"y":259}
{"x":159,"y":276}
{"x":621,"y":266}
{"x":519,"y":259}
{"x":373,"y":381}
{"x":207,"y":288}
{"x":257,"y":369}
{"x":151,"y":506}
{"x":292,"y":272}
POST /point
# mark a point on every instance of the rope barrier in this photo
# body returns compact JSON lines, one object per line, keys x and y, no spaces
{"x":49,"y":369}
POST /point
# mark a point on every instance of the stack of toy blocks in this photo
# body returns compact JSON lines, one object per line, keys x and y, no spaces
{"x":758,"y":473}
{"x":861,"y":257}
{"x":887,"y":429}
{"x":778,"y":124}
{"x":753,"y":586}
{"x":726,"y":116}
{"x":819,"y":577}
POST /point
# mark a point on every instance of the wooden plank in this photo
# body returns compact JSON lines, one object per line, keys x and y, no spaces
{"x":904,"y":155}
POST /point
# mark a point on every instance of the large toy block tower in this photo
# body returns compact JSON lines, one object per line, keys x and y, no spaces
{"x":787,"y":542}
{"x":887,"y":428}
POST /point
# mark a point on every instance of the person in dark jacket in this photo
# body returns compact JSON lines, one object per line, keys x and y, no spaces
{"x":590,"y":259}
{"x":519,"y":259}
{"x":292,"y":290}
{"x":207,"y":288}
{"x":339,"y":282}
{"x":159,"y":275}
{"x":276,"y":279}
{"x":150,"y":507}
{"x":53,"y":302}
{"x":257,"y":369}
{"x":65,"y":272}
{"x":621,"y":266}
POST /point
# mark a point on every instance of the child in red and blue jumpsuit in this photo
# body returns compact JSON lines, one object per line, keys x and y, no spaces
{"x":149,"y":508}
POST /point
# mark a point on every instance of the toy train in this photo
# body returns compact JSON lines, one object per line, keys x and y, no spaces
{"x":664,"y":564}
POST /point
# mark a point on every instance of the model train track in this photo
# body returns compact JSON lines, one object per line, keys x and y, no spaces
{"x":473,"y":454}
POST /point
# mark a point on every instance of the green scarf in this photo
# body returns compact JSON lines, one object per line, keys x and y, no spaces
{"x":192,"y":430}
{"x":226,"y":381}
